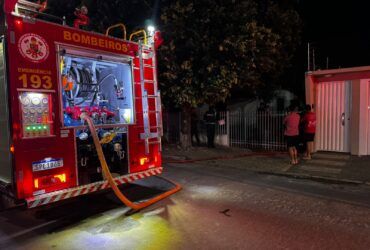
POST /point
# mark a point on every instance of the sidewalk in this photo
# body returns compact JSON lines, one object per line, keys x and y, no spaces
{"x":328,"y":167}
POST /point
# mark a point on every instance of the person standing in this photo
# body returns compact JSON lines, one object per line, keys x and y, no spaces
{"x":309,"y":123}
{"x":291,"y":123}
{"x":210,"y":118}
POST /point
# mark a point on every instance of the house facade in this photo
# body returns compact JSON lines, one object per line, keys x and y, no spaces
{"x":341,"y":100}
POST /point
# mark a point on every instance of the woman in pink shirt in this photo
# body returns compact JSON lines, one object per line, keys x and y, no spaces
{"x":291,"y":123}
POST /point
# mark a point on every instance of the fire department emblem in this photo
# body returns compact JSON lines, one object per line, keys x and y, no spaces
{"x":33,"y":47}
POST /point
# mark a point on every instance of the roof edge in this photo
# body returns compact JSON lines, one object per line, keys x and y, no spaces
{"x":338,"y":71}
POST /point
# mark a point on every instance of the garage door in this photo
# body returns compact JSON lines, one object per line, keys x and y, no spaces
{"x":333,"y":116}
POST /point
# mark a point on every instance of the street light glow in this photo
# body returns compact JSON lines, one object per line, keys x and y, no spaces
{"x":151,"y":29}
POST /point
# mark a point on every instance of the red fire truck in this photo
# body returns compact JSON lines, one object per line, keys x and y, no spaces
{"x":67,"y":94}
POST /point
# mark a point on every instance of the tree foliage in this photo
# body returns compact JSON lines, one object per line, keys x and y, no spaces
{"x":212,"y":47}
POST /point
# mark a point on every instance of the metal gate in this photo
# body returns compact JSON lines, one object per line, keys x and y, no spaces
{"x":256,"y":130}
{"x":260,"y":130}
{"x":333,"y":116}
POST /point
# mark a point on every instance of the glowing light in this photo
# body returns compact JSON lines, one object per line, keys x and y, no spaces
{"x":127,"y":115}
{"x":32,"y":95}
{"x":143,"y":160}
{"x":205,"y":192}
{"x":128,"y":231}
{"x":12,"y":149}
{"x":62,"y":177}
{"x":18,"y":22}
{"x":62,"y":66}
{"x":49,"y":180}
{"x":151,"y":29}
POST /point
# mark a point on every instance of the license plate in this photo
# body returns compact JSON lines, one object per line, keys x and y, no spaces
{"x":47,"y":164}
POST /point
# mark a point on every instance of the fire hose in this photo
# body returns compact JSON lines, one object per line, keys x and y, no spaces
{"x":108,"y":176}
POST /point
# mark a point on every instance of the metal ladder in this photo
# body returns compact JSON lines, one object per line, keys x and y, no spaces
{"x":147,"y":134}
{"x":27,"y":6}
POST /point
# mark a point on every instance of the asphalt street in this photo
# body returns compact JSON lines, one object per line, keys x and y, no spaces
{"x":218,"y":208}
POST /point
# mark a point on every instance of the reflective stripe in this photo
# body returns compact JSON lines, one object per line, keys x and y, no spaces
{"x":76,"y":193}
{"x":46,"y":201}
{"x":57,"y":198}
{"x":90,"y":188}
{"x":85,"y":191}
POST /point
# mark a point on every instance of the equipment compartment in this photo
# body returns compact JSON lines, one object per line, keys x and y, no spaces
{"x":103,"y":89}
{"x":114,"y":144}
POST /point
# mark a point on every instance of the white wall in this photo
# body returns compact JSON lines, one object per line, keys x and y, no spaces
{"x":359,"y":117}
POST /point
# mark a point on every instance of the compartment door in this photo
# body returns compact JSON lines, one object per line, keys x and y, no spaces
{"x":5,"y":159}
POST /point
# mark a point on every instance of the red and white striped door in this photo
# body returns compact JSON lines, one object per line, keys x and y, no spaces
{"x":333,"y":106}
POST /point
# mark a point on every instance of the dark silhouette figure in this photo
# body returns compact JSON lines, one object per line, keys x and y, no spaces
{"x":194,"y":127}
{"x":210,"y":118}
{"x":309,"y":129}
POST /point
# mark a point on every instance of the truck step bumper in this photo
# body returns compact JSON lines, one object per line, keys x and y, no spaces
{"x":64,"y":194}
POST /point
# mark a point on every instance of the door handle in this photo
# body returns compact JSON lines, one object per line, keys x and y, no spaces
{"x":343,"y":119}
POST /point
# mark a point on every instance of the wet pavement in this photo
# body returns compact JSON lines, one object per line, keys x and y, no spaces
{"x":218,"y":208}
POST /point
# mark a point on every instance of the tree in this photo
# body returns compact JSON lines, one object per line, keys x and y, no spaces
{"x":213,"y":47}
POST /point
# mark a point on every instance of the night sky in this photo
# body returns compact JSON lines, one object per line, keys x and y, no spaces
{"x":338,"y":30}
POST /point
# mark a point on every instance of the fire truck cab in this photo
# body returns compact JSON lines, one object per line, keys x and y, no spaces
{"x":50,"y":74}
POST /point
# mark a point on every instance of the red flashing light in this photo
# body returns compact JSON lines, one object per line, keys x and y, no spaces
{"x":18,"y":22}
{"x":12,"y":149}
{"x":16,"y":125}
{"x":50,"y":180}
{"x":143,"y":160}
{"x":62,"y":177}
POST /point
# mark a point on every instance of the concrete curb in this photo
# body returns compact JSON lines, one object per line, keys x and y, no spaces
{"x":286,"y":174}
{"x":227,"y":157}
{"x":317,"y":178}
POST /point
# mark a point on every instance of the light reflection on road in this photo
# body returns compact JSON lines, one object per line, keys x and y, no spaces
{"x":113,"y":230}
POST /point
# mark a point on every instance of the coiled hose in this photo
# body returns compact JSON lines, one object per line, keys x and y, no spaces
{"x":107,"y":174}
